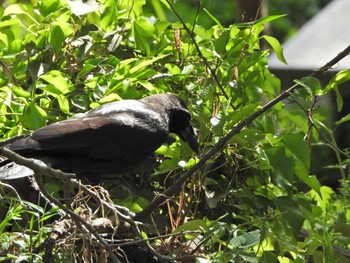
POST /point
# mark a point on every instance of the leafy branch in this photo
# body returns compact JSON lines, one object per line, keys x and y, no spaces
{"x":219,"y":146}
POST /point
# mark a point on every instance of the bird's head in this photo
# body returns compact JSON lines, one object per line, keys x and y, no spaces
{"x":178,"y":117}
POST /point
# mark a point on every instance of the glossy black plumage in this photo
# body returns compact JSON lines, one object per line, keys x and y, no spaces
{"x":114,"y":138}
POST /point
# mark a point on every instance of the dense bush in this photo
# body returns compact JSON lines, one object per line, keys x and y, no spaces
{"x":253,"y":200}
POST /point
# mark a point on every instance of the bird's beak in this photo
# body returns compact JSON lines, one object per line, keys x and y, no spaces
{"x":190,"y":137}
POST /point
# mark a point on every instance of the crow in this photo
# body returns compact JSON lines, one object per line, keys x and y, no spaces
{"x":114,"y":138}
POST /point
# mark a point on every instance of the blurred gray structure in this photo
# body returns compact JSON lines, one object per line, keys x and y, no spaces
{"x":317,"y":42}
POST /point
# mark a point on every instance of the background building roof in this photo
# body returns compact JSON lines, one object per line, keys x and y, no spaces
{"x":318,"y":41}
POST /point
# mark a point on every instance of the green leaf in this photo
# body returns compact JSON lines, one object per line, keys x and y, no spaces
{"x":340,"y":102}
{"x":109,"y":98}
{"x":261,"y":21}
{"x":48,"y":6}
{"x":60,"y":84}
{"x":213,"y":18}
{"x":63,"y":103}
{"x":19,"y":92}
{"x":146,"y":63}
{"x":144,"y":34}
{"x":13,"y":10}
{"x":276,"y":46}
{"x":291,"y":213}
{"x":299,"y":147}
{"x":314,"y":84}
{"x":3,"y":41}
{"x":135,"y":204}
{"x":193,"y":225}
{"x":158,"y":8}
{"x":283,"y":165}
{"x":108,"y":15}
{"x":168,"y":152}
{"x":33,"y":117}
{"x":311,"y":85}
{"x":248,"y":135}
{"x":246,"y":240}
{"x":56,"y":38}
{"x":343,"y":120}
{"x":341,"y":77}
{"x":300,"y":150}
{"x":147,"y":85}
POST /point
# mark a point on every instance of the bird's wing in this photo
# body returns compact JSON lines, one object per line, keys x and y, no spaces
{"x":100,"y":135}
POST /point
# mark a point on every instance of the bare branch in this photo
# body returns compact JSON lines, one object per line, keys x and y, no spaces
{"x":35,"y":165}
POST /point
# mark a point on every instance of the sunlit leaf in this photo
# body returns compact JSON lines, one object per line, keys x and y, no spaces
{"x":80,"y":7}
{"x":33,"y":117}
{"x":144,"y":32}
{"x":341,"y":77}
{"x":275,"y":44}
{"x":59,"y":82}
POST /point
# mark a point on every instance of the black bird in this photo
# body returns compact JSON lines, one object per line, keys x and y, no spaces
{"x":114,"y":138}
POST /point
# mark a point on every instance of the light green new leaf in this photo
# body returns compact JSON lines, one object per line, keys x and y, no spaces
{"x":59,"y":81}
{"x":33,"y":117}
{"x":17,"y":10}
{"x":3,"y":41}
{"x":276,"y":46}
{"x":63,"y":103}
{"x":343,"y":120}
{"x":20,"y":92}
{"x":13,"y":10}
{"x":147,"y":85}
{"x":341,"y":77}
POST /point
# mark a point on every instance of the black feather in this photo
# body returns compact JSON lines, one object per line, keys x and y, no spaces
{"x":114,"y":138}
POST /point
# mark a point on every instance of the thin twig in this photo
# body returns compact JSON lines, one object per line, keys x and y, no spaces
{"x":76,"y":218}
{"x":11,"y":140}
{"x":200,"y":54}
{"x":35,"y":165}
{"x":311,"y":121}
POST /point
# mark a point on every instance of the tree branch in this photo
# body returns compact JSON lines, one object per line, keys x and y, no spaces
{"x":235,"y":130}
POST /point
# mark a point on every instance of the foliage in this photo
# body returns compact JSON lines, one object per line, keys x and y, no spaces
{"x":254,"y":201}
